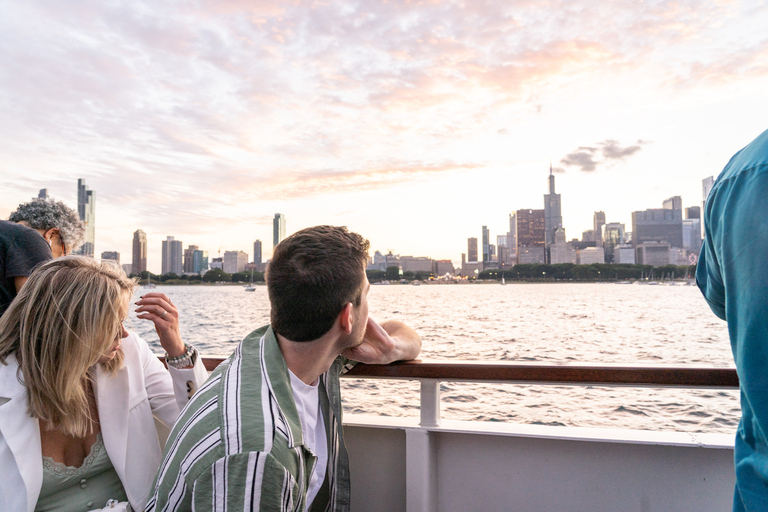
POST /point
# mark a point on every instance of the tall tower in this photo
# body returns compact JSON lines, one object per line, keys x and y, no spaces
{"x":278,"y":229}
{"x":139,"y":262}
{"x":486,"y":244}
{"x":553,"y":218}
{"x":472,"y":249}
{"x":257,"y":251}
{"x":172,"y":256}
{"x":86,"y":209}
{"x":598,"y":221}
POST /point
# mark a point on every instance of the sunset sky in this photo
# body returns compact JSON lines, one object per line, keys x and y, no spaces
{"x":413,"y":123}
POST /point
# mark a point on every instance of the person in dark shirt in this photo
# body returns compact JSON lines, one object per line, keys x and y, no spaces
{"x":36,"y":232}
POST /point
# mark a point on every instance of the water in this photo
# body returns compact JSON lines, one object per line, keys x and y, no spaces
{"x":546,"y":323}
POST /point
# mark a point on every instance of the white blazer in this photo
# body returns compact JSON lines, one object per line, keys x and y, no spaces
{"x":128,"y":404}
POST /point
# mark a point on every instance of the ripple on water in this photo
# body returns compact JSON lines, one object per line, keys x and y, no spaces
{"x":553,"y":323}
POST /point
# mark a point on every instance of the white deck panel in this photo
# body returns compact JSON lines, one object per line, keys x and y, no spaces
{"x":466,"y":466}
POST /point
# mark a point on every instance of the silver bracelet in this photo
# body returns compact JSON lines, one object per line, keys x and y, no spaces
{"x":188,"y":358}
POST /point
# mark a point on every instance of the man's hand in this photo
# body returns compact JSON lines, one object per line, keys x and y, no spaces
{"x":385,"y":343}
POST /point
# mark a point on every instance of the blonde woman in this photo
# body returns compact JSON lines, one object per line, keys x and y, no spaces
{"x":78,"y":393}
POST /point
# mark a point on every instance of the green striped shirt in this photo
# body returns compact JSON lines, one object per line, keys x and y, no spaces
{"x":238,"y":444}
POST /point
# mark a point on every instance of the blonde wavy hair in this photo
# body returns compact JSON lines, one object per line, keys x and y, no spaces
{"x":64,"y":319}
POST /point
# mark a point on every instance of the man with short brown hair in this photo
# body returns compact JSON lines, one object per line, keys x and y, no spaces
{"x":265,"y":431}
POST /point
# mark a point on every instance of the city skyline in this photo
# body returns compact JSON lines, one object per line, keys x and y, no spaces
{"x":412,"y":124}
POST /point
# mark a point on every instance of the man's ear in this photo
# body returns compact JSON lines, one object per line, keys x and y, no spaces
{"x":346,"y":318}
{"x":49,"y":233}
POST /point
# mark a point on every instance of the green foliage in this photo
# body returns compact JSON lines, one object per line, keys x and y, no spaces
{"x":216,"y":275}
{"x":374,"y":276}
{"x":240,"y":277}
{"x":594,"y":272}
{"x":393,"y":273}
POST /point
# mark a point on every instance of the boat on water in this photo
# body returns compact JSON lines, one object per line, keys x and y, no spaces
{"x":429,"y":464}
{"x":149,"y":283}
{"x":250,"y":287}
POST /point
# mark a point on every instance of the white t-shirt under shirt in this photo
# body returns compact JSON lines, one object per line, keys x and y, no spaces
{"x":312,"y":429}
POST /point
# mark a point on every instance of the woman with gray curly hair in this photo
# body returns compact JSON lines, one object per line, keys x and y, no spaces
{"x":35,"y":232}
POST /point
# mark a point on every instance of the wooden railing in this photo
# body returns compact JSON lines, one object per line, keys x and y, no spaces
{"x":537,"y":373}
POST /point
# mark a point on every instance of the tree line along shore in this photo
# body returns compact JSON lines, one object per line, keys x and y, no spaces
{"x":539,"y":272}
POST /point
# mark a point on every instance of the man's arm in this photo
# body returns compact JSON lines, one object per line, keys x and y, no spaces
{"x":383,"y":344}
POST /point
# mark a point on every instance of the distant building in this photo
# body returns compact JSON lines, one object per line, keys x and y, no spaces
{"x":624,"y":254}
{"x":590,"y":255}
{"x":111,"y":255}
{"x":189,"y":259}
{"x":613,"y":236}
{"x":443,"y":267}
{"x":199,"y":261}
{"x":663,"y":225}
{"x":652,"y":253}
{"x":278,"y":229}
{"x":127,"y":268}
{"x":553,"y":218}
{"x":598,"y":221}
{"x":530,"y":236}
{"x":471,"y":269}
{"x":694,"y":212}
{"x":415,"y":264}
{"x":512,"y":239}
{"x":257,"y":251}
{"x":217,"y":263}
{"x":86,"y":209}
{"x":673,"y":203}
{"x":171,"y":256}
{"x":139,"y":261}
{"x":692,"y":236}
{"x":43,"y":194}
{"x":472,"y":249}
{"x":561,"y":251}
{"x":234,"y":261}
{"x":486,"y":244}
{"x":588,"y":236}
{"x":527,"y":255}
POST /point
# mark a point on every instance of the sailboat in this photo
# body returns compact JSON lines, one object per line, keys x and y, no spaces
{"x":149,"y":282}
{"x":502,"y":280}
{"x":250,"y":287}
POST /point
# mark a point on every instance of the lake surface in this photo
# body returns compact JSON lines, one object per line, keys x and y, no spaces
{"x":547,"y":323}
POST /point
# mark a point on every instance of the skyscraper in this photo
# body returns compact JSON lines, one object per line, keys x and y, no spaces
{"x":86,"y":209}
{"x":598,"y":221}
{"x":673,"y":203}
{"x":512,"y":239}
{"x":257,"y":251}
{"x":614,"y":236}
{"x":486,"y":244}
{"x":530,"y":236}
{"x":139,"y":262}
{"x":189,"y":258}
{"x":172,"y":252}
{"x":278,"y":229}
{"x":472,"y":249}
{"x":553,"y":218}
{"x":43,"y":194}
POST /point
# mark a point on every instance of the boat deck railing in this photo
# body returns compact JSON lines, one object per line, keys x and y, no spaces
{"x":430,"y":373}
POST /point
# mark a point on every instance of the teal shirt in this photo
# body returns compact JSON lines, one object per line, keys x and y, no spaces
{"x":238,"y":444}
{"x":732,"y":273}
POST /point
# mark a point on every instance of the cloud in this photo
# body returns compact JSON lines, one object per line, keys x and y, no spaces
{"x":589,"y":158}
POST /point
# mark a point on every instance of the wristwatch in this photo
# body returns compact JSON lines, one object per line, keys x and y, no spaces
{"x":188,"y":358}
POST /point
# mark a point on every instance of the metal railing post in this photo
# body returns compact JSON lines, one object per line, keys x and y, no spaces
{"x":430,"y":403}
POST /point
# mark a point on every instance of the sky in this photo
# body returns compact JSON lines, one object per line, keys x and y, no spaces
{"x":413,"y":123}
